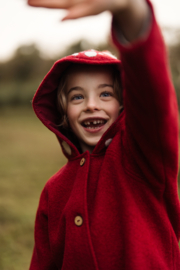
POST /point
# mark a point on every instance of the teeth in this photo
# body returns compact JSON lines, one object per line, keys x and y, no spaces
{"x":94,"y":122}
{"x":100,"y":121}
{"x":91,"y":127}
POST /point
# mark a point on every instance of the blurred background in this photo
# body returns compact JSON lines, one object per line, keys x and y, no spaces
{"x":31,"y":40}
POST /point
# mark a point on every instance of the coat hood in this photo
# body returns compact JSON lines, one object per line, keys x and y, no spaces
{"x":45,"y":99}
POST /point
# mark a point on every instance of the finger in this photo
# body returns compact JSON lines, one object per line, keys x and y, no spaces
{"x":80,"y":11}
{"x":61,"y":4}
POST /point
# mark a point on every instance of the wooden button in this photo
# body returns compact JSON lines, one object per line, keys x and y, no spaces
{"x":78,"y":221}
{"x":83,"y":160}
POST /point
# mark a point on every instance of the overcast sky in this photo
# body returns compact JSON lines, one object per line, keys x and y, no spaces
{"x":20,"y":24}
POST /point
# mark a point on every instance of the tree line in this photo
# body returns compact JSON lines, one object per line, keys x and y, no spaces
{"x":22,"y":74}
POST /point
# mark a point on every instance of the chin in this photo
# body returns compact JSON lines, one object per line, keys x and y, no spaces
{"x":93,"y":143}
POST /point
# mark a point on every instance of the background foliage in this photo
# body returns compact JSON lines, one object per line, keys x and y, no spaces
{"x":29,"y":153}
{"x":20,"y":76}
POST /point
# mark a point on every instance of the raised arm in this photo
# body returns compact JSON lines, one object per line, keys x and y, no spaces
{"x":151,"y":109}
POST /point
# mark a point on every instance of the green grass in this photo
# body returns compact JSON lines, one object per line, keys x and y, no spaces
{"x":29,"y":155}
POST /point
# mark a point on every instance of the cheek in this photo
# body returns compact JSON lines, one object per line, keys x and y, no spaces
{"x":115,"y":108}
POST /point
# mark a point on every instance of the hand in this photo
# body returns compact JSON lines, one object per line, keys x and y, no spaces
{"x":129,"y":14}
{"x":82,"y":8}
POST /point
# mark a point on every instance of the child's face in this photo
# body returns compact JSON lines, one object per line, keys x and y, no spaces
{"x":91,"y":104}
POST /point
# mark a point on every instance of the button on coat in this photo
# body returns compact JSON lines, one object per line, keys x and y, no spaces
{"x":82,"y":162}
{"x":78,"y":221}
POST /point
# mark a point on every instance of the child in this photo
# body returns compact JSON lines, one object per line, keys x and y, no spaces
{"x":114,"y":205}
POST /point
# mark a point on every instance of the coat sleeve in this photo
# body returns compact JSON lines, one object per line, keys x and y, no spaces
{"x":42,"y":257}
{"x":151,"y":114}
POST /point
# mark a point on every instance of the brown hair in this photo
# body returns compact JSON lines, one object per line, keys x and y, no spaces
{"x":62,"y":93}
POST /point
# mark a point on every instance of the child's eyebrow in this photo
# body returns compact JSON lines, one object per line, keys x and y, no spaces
{"x":99,"y":86}
{"x":75,"y":88}
{"x":105,"y":85}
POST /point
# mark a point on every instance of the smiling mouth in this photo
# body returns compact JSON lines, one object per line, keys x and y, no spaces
{"x":94,"y":123}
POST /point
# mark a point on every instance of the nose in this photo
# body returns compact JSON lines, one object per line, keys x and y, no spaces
{"x":92,"y":104}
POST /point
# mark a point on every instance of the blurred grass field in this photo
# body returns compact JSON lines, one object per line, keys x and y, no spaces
{"x":29,"y":155}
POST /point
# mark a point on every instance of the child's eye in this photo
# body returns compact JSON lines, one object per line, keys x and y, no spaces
{"x":77,"y":97}
{"x":106,"y":94}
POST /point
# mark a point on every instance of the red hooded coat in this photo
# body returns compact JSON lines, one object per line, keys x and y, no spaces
{"x":118,"y":207}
